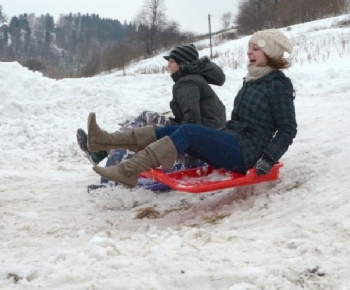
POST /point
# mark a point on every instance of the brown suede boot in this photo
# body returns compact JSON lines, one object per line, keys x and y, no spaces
{"x":160,"y":153}
{"x":135,"y":140}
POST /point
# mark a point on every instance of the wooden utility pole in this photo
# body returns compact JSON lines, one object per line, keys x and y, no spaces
{"x":211,"y":50}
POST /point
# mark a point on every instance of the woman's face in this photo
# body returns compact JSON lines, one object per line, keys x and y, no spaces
{"x":256,"y":56}
{"x":173,"y":66}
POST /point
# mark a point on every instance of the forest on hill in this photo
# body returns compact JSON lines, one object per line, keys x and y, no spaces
{"x":82,"y":45}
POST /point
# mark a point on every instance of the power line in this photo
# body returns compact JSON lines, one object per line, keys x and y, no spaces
{"x":188,"y":26}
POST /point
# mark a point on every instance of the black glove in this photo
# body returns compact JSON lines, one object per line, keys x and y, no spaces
{"x":263,"y":165}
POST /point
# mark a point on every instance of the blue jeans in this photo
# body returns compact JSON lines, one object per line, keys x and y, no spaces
{"x":219,"y":149}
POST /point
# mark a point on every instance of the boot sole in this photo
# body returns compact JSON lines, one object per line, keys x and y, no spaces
{"x":82,"y":140}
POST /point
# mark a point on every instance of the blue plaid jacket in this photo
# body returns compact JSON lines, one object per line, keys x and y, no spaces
{"x":263,"y":117}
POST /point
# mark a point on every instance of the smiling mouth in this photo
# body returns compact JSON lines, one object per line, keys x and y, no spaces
{"x":252,"y":62}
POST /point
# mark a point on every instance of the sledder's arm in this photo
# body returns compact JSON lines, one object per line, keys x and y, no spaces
{"x":281,"y":102}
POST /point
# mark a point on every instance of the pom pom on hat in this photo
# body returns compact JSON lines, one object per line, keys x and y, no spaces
{"x":183,"y":54}
{"x":272,"y":42}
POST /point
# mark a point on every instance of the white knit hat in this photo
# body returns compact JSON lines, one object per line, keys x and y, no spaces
{"x":272,"y":42}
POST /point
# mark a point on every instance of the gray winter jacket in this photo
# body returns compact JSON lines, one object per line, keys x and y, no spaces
{"x":194,"y":101}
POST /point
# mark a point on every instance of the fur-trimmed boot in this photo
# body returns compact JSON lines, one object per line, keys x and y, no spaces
{"x":160,"y":153}
{"x":135,"y":140}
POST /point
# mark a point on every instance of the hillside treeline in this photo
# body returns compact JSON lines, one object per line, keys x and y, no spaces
{"x":83,"y":45}
{"x":256,"y":15}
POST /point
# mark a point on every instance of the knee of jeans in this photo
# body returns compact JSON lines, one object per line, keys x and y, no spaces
{"x":186,"y":128}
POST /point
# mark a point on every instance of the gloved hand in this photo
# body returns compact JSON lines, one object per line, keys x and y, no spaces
{"x":263,"y":165}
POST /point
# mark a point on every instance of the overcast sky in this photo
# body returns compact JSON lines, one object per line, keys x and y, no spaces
{"x":192,"y":15}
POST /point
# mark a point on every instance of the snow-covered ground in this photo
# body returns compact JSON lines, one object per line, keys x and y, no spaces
{"x":289,"y":234}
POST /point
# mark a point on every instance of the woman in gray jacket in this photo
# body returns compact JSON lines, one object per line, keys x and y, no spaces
{"x":193,"y":100}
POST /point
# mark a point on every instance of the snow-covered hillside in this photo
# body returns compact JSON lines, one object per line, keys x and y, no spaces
{"x":289,"y":234}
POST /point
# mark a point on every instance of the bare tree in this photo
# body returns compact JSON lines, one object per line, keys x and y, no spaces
{"x":150,"y":20}
{"x":171,"y":34}
{"x":226,"y":20}
{"x":255,"y":15}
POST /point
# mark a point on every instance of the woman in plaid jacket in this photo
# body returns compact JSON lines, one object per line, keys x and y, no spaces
{"x":261,"y":129}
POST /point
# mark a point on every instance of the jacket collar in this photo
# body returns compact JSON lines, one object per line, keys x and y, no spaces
{"x":176,"y":76}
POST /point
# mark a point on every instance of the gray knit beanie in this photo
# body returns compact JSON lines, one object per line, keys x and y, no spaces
{"x":272,"y":42}
{"x":183,"y":54}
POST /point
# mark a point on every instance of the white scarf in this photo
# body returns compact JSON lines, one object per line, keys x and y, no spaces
{"x":256,"y":72}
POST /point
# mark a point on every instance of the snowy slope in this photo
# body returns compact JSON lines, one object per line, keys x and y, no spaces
{"x":288,"y":234}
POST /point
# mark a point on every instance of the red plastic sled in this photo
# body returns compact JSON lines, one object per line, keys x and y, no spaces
{"x":204,"y":179}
